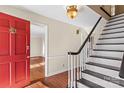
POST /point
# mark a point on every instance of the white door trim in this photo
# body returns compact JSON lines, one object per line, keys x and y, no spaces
{"x":46,"y":45}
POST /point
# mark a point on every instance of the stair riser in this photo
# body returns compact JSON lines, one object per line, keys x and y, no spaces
{"x":100,"y":81}
{"x":113,"y":47}
{"x":80,"y":85}
{"x":108,"y":72}
{"x":109,"y":62}
{"x":117,"y":40}
{"x":114,"y":26}
{"x":108,"y":53}
{"x":112,"y":35}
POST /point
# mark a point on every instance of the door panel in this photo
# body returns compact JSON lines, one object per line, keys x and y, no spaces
{"x":14,"y":63}
{"x":5,"y":74}
{"x":20,"y":68}
{"x":5,"y":37}
{"x":20,"y":43}
{"x":4,"y":45}
{"x":4,"y":22}
{"x":20,"y":25}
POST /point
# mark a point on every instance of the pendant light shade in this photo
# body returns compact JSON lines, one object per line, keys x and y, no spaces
{"x":72,"y":11}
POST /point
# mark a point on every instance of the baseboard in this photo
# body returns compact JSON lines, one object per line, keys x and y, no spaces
{"x":57,"y":72}
{"x":37,"y":57}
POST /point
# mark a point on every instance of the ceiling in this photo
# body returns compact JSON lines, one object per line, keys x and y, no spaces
{"x":86,"y":17}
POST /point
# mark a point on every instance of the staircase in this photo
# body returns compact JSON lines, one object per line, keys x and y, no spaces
{"x":102,"y":66}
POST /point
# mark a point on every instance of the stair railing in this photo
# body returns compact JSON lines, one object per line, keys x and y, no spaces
{"x":76,"y":64}
{"x":102,"y":8}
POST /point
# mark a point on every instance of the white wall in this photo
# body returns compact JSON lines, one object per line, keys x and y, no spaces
{"x":61,"y":38}
{"x":36,"y":46}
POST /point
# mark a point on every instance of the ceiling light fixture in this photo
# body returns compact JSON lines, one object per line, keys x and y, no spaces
{"x":72,"y":11}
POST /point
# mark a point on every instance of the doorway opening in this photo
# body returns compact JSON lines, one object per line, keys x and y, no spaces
{"x":38,"y":51}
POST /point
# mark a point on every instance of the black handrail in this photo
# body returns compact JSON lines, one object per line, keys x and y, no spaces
{"x":76,"y":53}
{"x":105,"y":11}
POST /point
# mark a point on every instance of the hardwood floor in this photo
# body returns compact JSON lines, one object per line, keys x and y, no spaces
{"x":38,"y":79}
{"x":37,"y":68}
{"x":57,"y":81}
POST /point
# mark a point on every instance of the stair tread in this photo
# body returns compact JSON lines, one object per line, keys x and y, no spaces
{"x":89,"y":83}
{"x":106,"y":57}
{"x":112,"y":33}
{"x":109,"y":43}
{"x":105,"y":77}
{"x":111,"y":38}
{"x":112,"y":28}
{"x":104,"y":66}
{"x":108,"y":50}
{"x":117,"y":16}
{"x":109,"y":25}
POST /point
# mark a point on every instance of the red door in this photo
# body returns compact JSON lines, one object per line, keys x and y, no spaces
{"x":14,"y":51}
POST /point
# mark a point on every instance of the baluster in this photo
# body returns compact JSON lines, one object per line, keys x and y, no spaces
{"x":87,"y":45}
{"x":80,"y":67}
{"x":74,"y":58}
{"x":90,"y":46}
{"x":88,"y":49}
{"x":83,"y":59}
{"x":69,"y":70}
{"x":76,"y":66}
{"x":85,"y":55}
{"x":78,"y":71}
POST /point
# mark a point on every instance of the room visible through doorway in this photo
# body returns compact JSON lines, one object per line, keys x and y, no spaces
{"x":37,"y":51}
